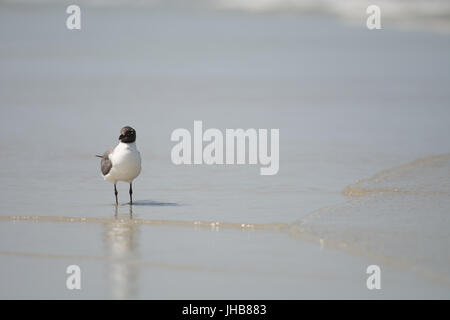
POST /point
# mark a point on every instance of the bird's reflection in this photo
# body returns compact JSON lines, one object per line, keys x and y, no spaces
{"x":120,"y":239}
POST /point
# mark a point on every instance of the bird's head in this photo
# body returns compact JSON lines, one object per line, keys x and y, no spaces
{"x":127,"y":135}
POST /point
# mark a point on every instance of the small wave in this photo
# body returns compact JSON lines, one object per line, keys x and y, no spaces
{"x":204,"y":224}
{"x":398,"y":217}
{"x":422,"y":14}
{"x":426,"y":176}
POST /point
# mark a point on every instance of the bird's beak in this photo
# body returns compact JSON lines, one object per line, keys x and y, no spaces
{"x":121,"y":136}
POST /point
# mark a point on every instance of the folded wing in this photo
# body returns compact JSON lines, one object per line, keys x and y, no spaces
{"x":106,"y":164}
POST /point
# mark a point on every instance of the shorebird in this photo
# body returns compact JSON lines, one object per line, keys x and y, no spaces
{"x":122,"y":163}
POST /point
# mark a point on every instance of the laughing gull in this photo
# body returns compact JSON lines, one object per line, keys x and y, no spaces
{"x":122,"y":163}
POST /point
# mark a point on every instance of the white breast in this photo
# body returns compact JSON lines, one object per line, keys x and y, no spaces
{"x":126,"y":163}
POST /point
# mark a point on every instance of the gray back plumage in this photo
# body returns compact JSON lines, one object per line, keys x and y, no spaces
{"x":106,"y":164}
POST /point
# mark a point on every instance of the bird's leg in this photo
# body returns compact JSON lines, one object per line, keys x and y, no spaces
{"x":116,"y":212}
{"x":116,"y":193}
{"x":131,"y":193}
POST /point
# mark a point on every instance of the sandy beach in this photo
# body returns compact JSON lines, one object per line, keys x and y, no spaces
{"x":364,"y":155}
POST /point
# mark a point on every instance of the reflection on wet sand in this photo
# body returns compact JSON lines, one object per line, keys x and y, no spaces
{"x":120,"y":240}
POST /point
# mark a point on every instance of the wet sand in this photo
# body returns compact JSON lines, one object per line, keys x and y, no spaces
{"x":321,"y":256}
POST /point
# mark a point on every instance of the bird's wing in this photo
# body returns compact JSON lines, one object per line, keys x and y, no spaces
{"x":106,"y":164}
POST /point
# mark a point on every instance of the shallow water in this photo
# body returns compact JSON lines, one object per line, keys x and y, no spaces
{"x":400,"y":216}
{"x":348,"y":102}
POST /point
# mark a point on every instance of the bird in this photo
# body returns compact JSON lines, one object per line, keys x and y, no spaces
{"x":122,"y":163}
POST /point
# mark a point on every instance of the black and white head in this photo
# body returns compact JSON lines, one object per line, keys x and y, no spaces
{"x":127,"y":135}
